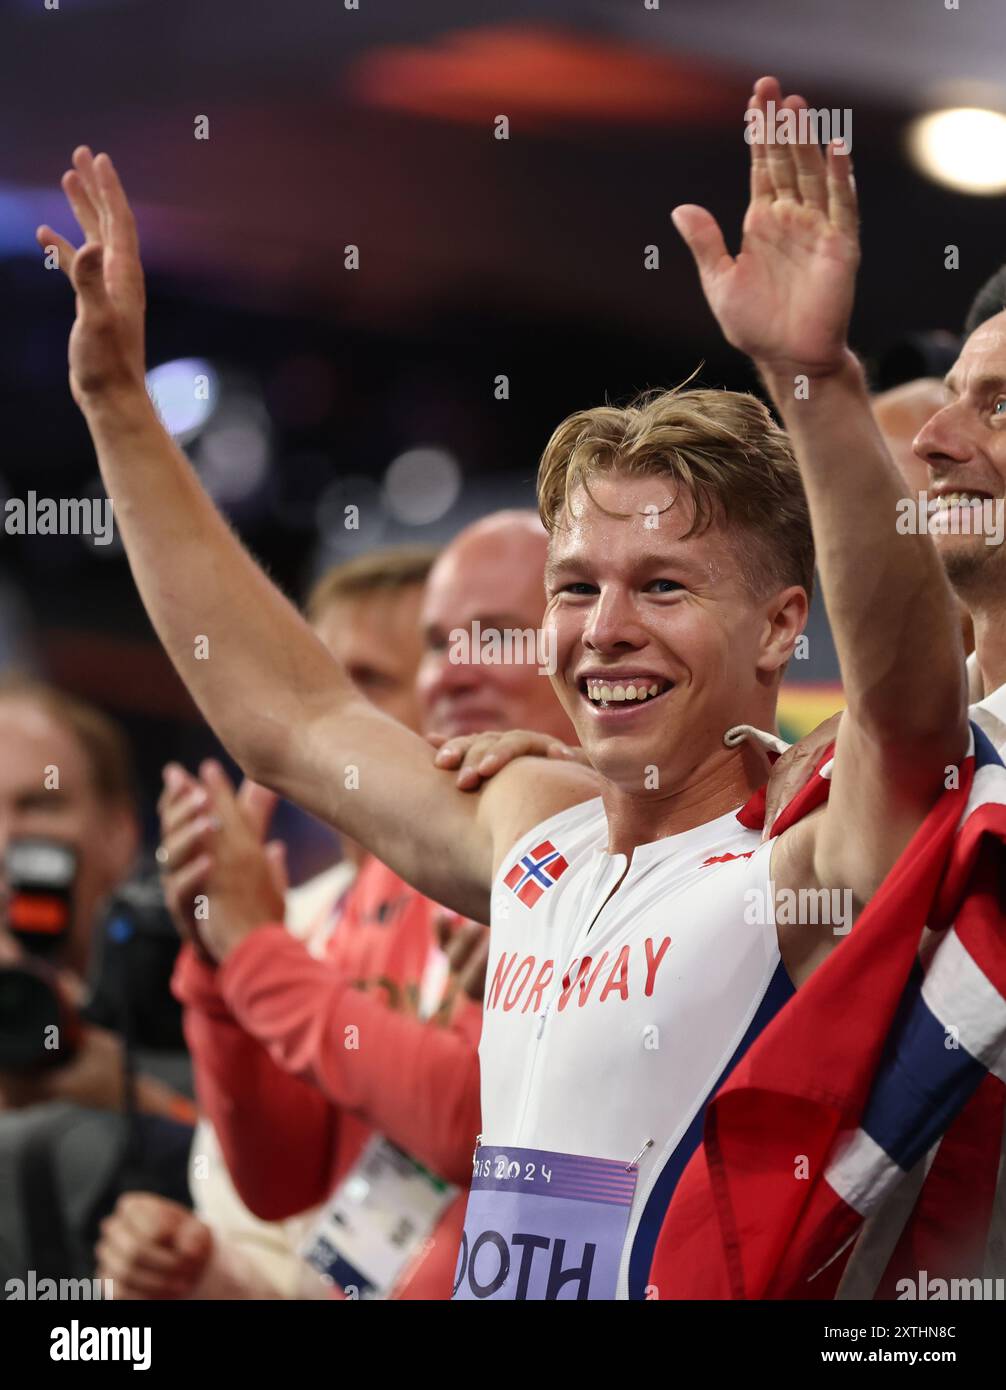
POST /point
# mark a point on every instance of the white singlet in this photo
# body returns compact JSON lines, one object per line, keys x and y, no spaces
{"x":610,"y":1019}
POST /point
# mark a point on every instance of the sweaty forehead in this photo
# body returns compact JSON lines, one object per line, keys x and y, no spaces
{"x":654,"y":535}
{"x":625,"y":512}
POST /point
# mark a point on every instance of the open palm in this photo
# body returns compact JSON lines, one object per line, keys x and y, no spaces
{"x":786,"y":298}
{"x":107,"y":339}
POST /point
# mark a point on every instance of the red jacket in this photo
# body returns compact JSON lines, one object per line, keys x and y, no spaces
{"x":298,"y":1061}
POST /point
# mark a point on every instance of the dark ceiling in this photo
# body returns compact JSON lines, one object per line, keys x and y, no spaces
{"x":374,"y":126}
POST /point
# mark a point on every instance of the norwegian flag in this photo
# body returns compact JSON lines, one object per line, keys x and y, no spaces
{"x":884,"y":1076}
{"x":536,"y":871}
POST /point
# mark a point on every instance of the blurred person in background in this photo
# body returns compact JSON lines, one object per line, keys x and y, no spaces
{"x":80,"y":959}
{"x":944,"y":437}
{"x":65,"y":775}
{"x":367,"y":610}
{"x":900,"y":413}
{"x":414,"y":1076}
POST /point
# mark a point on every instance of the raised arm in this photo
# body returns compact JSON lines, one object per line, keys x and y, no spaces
{"x":786,"y":300}
{"x":267,"y":685}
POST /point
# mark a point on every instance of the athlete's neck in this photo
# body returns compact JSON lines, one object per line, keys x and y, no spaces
{"x":720,"y":784}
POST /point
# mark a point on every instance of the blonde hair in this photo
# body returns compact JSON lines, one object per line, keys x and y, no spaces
{"x":722,"y":447}
{"x":396,"y":567}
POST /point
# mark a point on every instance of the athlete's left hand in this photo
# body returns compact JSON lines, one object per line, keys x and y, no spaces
{"x":786,"y":299}
{"x":477,"y":757}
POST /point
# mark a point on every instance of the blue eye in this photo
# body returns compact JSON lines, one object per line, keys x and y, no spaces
{"x":672,"y":585}
{"x":579,"y":587}
{"x":997,"y":403}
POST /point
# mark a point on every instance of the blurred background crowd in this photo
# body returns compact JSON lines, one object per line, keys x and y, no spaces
{"x":391,"y":307}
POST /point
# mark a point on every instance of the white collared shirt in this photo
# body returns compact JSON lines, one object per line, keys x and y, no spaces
{"x":988,"y":711}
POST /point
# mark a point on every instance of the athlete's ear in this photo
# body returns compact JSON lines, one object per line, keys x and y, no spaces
{"x":785,"y":619}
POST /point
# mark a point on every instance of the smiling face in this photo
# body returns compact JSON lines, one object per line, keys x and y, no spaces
{"x":661,"y":643}
{"x":964,"y":445}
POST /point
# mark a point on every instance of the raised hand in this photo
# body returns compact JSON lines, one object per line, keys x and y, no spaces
{"x":107,"y":339}
{"x":786,"y":298}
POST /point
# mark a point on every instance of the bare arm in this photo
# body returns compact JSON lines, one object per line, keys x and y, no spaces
{"x":269,"y":688}
{"x":786,"y":301}
{"x":892,"y":614}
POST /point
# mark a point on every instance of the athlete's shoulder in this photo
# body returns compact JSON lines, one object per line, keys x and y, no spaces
{"x":529,"y":791}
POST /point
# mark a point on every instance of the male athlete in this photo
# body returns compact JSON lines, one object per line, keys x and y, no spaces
{"x":624,"y":972}
{"x":947,"y":439}
{"x":964,"y":446}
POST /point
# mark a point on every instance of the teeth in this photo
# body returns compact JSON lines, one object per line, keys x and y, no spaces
{"x":598,"y":691}
{"x":957,"y":499}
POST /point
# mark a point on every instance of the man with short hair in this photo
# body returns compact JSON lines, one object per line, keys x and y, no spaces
{"x":69,"y":833}
{"x":966,"y":457}
{"x":988,"y":303}
{"x":623,"y":980}
{"x":66,"y":773}
{"x":944,"y":440}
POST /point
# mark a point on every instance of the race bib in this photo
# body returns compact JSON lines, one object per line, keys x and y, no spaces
{"x":377,"y":1221}
{"x":543,"y":1225}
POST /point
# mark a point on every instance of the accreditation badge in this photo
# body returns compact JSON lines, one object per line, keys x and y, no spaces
{"x":377,"y":1221}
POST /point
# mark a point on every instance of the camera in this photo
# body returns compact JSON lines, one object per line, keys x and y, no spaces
{"x":136,"y":946}
{"x":39,"y":1027}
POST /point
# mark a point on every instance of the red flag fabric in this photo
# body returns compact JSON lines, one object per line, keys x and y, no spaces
{"x":857,"y":1143}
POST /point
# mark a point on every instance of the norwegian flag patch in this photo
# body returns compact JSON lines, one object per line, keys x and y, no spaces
{"x":536,"y":871}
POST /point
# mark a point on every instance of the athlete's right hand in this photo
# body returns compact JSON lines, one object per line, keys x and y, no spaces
{"x":477,"y":757}
{"x":151,"y":1247}
{"x":107,"y":339}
